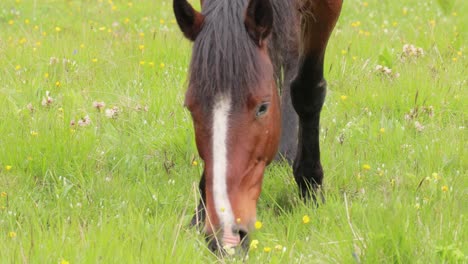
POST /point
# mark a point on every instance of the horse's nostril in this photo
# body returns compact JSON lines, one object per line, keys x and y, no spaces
{"x":244,"y":239}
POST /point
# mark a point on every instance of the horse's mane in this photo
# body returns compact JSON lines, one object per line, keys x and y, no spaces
{"x":225,"y":59}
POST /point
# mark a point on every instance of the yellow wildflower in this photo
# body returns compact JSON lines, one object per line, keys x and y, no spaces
{"x":258,"y":225}
{"x":254,"y":244}
{"x":58,"y":84}
{"x":12,"y":234}
{"x":343,"y":97}
{"x":382,"y":130}
{"x":194,"y":163}
{"x":34,"y":133}
{"x":8,"y":167}
{"x":445,"y":188}
{"x":141,"y":47}
{"x":94,"y":60}
{"x":267,"y":249}
{"x":305,"y":219}
{"x":63,"y":261}
{"x":162,"y":65}
{"x":366,"y":167}
{"x":3,"y":194}
{"x":58,"y":29}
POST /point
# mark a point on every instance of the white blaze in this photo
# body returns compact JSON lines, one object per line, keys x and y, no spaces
{"x":220,"y":195}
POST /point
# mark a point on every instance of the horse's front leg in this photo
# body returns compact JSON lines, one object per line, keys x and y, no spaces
{"x":308,"y":91}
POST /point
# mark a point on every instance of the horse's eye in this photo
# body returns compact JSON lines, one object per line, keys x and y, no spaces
{"x":262,"y":109}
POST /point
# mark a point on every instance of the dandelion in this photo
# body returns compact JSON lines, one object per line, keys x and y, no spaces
{"x":85,"y":121}
{"x":12,"y":234}
{"x":444,"y":188}
{"x":94,"y":60}
{"x":112,"y":112}
{"x":161,"y":21}
{"x":17,"y":67}
{"x":34,"y":133}
{"x":229,"y":250}
{"x":162,"y":65}
{"x":267,"y":249}
{"x":141,"y":47}
{"x":386,"y":71}
{"x":409,"y":50}
{"x":11,"y":22}
{"x":194,"y":163}
{"x":366,"y":167}
{"x":258,"y":225}
{"x":356,"y":24}
{"x":343,"y":52}
{"x":99,"y":105}
{"x":142,"y":62}
{"x":3,"y":194}
{"x":30,"y":107}
{"x":58,"y":29}
{"x":305,"y":219}
{"x":58,"y":84}
{"x":419,"y":127}
{"x":8,"y":167}
{"x":53,"y":60}
{"x":26,"y":21}
{"x":63,"y":261}
{"x":382,"y":130}
{"x":254,"y":244}
{"x":47,"y":100}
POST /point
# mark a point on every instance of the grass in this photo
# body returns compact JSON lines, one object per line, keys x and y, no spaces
{"x":122,"y":189}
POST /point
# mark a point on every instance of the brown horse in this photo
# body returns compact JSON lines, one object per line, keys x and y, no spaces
{"x":244,"y":52}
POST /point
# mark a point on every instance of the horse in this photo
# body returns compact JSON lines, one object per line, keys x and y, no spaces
{"x":255,"y":85}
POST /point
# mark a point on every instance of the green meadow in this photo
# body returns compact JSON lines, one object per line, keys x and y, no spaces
{"x":98,"y":162}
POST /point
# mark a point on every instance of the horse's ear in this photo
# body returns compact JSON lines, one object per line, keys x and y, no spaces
{"x":259,"y":20}
{"x":189,"y":20}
